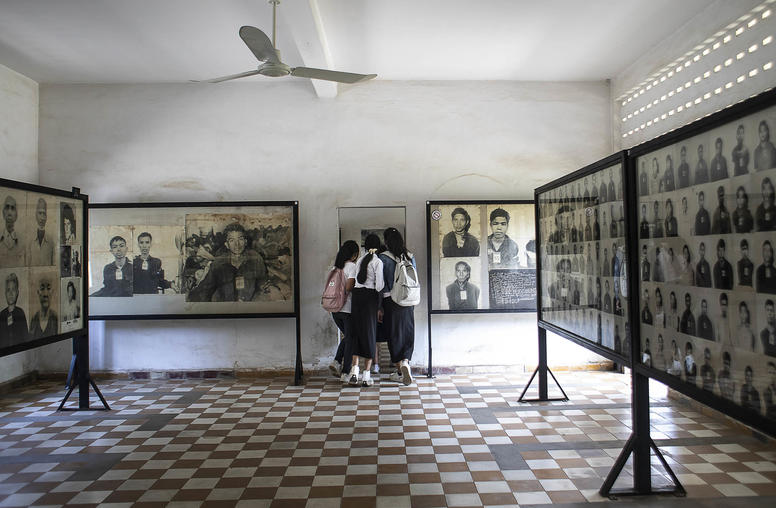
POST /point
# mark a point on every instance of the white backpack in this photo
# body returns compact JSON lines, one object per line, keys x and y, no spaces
{"x":406,"y":283}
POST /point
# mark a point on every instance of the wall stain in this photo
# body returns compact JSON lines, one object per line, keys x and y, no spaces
{"x":184,"y":184}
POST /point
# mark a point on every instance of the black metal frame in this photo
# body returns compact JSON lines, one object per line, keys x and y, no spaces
{"x":719,"y":119}
{"x":75,"y":193}
{"x":429,"y":297}
{"x":614,"y":159}
{"x":296,"y":314}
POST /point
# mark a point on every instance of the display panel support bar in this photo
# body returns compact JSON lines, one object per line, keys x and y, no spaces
{"x":542,"y":370}
{"x":78,"y":376}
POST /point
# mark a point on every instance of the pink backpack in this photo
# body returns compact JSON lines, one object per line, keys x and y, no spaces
{"x":334,"y":296}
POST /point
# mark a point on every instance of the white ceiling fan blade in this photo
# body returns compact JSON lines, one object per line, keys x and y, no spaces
{"x":230,"y":77}
{"x":340,"y":77}
{"x":259,"y":44}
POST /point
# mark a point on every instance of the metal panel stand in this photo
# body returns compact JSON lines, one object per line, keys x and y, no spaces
{"x":429,"y":372}
{"x":542,"y":370}
{"x":79,"y":376}
{"x":640,"y":444}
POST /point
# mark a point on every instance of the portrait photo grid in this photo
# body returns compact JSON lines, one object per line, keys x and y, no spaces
{"x":41,"y":252}
{"x":707,"y":231}
{"x":584,"y":287}
{"x":483,"y":256}
{"x":179,"y":260}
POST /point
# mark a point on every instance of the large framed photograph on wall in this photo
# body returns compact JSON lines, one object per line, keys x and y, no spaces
{"x":583,"y":258}
{"x":482,"y":256}
{"x":42,"y":248}
{"x":186,"y":260}
{"x":707,"y":232}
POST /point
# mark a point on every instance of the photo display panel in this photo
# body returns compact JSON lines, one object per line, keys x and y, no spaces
{"x":191,"y":259}
{"x":584,"y":275}
{"x":707,"y":231}
{"x":41,"y":261}
{"x":482,"y":256}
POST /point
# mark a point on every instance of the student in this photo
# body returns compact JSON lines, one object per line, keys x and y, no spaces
{"x":766,"y":212}
{"x":117,"y":275}
{"x":40,"y":251}
{"x":363,"y":317}
{"x":502,"y":250}
{"x":740,"y":154}
{"x":462,"y":294}
{"x":345,"y":261}
{"x":45,"y":322}
{"x":765,"y":152}
{"x":11,"y":241}
{"x":743,"y":222}
{"x":13,"y":321}
{"x":459,"y":242}
{"x":148,"y":276}
{"x":399,"y":321}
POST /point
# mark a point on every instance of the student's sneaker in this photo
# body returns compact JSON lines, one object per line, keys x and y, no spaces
{"x":376,"y":369}
{"x":396,"y":377}
{"x":406,"y":373}
{"x":335,"y":368}
{"x":344,"y":377}
{"x":366,"y":379}
{"x":353,"y":376}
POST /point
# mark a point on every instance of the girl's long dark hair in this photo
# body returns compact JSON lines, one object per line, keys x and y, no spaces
{"x":346,"y":252}
{"x":372,"y":242}
{"x":395,"y":243}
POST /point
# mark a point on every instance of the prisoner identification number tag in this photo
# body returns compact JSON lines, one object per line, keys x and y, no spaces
{"x":239,"y":282}
{"x":497,"y":257}
{"x":119,"y":275}
{"x":463,"y":295}
{"x":144,"y":266}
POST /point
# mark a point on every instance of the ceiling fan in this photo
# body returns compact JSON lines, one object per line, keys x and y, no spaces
{"x":266,"y":52}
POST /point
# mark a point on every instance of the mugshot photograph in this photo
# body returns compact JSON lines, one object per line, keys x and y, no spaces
{"x":744,"y":265}
{"x":76,"y":261}
{"x":13,"y":319}
{"x":459,"y":242}
{"x":65,"y":269}
{"x":725,"y":380}
{"x":147,"y":272}
{"x":687,"y":321}
{"x":13,"y":240}
{"x":723,"y":270}
{"x":669,"y":183}
{"x":702,"y":268}
{"x":765,"y":216}
{"x":690,"y":367}
{"x":44,"y":291}
{"x":750,"y":397}
{"x":683,"y":171}
{"x":720,"y":222}
{"x":766,"y":272}
{"x":655,"y":177}
{"x":768,"y":332}
{"x":743,"y":222}
{"x":718,"y":167}
{"x":671,"y":224}
{"x":744,"y":330}
{"x":657,"y":223}
{"x":672,"y":313}
{"x":503,"y":252}
{"x":708,"y":376}
{"x":644,"y":227}
{"x":769,"y":394}
{"x":739,"y":156}
{"x":67,"y":225}
{"x":701,"y":174}
{"x":705,"y":327}
{"x":764,"y":152}
{"x":686,"y":267}
{"x":685,"y":216}
{"x":702,"y":218}
{"x":462,"y":293}
{"x":40,"y":250}
{"x":117,"y":275}
{"x":723,"y":323}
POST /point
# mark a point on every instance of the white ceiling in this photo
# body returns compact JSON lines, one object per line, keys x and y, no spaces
{"x":156,"y":41}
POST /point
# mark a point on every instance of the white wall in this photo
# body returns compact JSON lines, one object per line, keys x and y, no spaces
{"x":380,"y":143}
{"x":18,"y":161}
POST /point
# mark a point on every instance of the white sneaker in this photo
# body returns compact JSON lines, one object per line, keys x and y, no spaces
{"x":353,"y":376}
{"x":396,"y":377}
{"x":406,"y":373}
{"x":335,"y":368}
{"x":344,"y":377}
{"x":366,"y":379}
{"x":376,"y":369}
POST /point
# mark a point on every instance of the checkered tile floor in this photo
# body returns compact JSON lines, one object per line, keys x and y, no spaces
{"x":460,"y":440}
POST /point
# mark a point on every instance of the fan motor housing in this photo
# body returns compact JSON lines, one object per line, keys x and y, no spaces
{"x":274,"y":70}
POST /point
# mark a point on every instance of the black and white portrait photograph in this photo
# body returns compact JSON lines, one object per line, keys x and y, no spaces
{"x":462,"y":280}
{"x":69,"y":215}
{"x":43,"y":302}
{"x":109,"y":261}
{"x":70,"y":304}
{"x":13,"y":236}
{"x":43,"y":238}
{"x":15,"y":307}
{"x":460,"y":229}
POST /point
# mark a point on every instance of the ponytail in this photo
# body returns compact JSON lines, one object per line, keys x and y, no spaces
{"x":372,"y":243}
